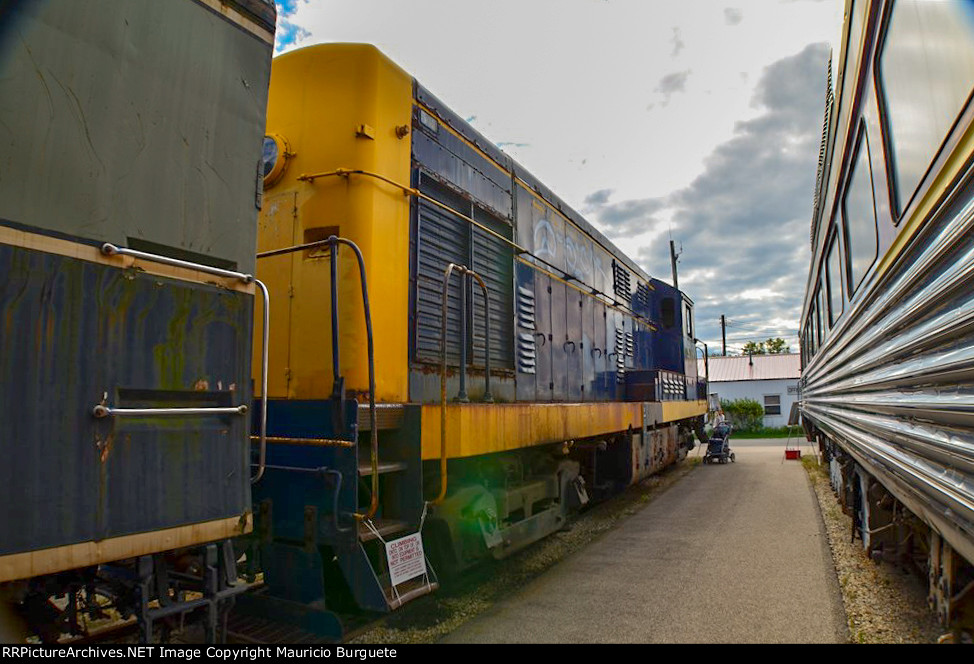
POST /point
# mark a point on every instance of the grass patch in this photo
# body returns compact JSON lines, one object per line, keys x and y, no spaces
{"x":770,"y":432}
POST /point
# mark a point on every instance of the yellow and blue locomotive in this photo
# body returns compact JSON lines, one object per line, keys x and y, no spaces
{"x":454,"y":350}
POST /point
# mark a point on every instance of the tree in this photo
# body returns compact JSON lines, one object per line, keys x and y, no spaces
{"x":773,"y":346}
{"x":753,"y":348}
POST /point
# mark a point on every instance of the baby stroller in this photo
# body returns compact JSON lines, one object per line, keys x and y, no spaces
{"x":718,"y":447}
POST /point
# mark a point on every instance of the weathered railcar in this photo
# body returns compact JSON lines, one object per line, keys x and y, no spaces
{"x":130,"y":149}
{"x":522,"y":363}
{"x":887,"y":325}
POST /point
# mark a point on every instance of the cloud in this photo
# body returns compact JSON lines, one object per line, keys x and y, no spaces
{"x":677,"y":40}
{"x":597,"y":199}
{"x":624,"y":219}
{"x":733,"y":15}
{"x":671,"y":84}
{"x":743,"y":222}
{"x":288,"y":32}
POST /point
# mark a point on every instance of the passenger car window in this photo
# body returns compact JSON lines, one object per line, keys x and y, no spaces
{"x":834,"y":281}
{"x":926,"y":72}
{"x":859,"y":215}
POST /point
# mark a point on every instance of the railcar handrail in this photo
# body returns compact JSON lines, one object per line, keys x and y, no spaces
{"x":488,"y":398}
{"x":102,"y":410}
{"x":113,"y":250}
{"x":332,"y":241}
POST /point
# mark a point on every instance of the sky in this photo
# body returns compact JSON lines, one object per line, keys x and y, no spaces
{"x":696,"y":120}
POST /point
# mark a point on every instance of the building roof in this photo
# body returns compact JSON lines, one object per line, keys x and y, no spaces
{"x":753,"y":367}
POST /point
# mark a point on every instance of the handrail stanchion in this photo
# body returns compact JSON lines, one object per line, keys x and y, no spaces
{"x":447,"y":273}
{"x":263,"y":380}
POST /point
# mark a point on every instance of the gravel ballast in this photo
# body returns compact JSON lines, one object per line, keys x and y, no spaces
{"x":883,"y":603}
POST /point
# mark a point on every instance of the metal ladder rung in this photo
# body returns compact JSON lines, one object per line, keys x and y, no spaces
{"x":385,"y":528}
{"x":387,"y":416}
{"x":365,"y":469}
{"x":414,"y":589}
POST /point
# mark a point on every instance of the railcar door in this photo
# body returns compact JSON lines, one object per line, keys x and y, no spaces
{"x":587,"y":348}
{"x":559,"y":340}
{"x":542,"y":293}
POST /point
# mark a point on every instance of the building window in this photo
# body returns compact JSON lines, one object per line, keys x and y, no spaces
{"x":859,"y":215}
{"x":772,"y":404}
{"x":926,"y":72}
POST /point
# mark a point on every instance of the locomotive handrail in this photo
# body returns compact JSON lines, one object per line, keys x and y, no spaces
{"x":447,"y":273}
{"x":332,"y":241}
{"x":113,"y":250}
{"x":520,"y":251}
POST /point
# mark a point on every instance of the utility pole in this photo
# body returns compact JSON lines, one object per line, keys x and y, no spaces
{"x":673,"y":257}
{"x":723,"y":334}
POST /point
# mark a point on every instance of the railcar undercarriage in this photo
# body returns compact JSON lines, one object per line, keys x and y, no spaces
{"x":891,"y":533}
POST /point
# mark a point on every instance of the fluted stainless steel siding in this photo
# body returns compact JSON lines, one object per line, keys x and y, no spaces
{"x":894,"y":382}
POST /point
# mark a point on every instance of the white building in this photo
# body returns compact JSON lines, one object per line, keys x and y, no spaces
{"x":771,"y":380}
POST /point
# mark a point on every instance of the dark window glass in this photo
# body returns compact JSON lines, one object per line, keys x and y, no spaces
{"x":820,"y":314}
{"x":668,"y":312}
{"x":772,"y":404}
{"x":834,"y":282}
{"x":813,"y":327}
{"x":270,"y":155}
{"x":859,"y":215}
{"x":927,"y":72}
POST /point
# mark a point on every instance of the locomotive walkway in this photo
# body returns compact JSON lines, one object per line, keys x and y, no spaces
{"x":733,"y":553}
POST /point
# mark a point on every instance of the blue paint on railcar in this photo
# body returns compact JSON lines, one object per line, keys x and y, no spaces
{"x":75,"y":332}
{"x":667,"y":342}
{"x":299,"y":476}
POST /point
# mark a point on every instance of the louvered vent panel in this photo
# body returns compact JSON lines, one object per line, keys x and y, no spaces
{"x":527,"y":353}
{"x":442,"y":240}
{"x":620,"y":355}
{"x":525,"y":308}
{"x":642,"y":296}
{"x":621,"y":282}
{"x":493,"y":260}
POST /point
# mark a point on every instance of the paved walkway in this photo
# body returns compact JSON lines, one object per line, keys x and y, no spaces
{"x":733,"y":553}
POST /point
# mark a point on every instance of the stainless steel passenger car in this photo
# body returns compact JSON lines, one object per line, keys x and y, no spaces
{"x":887,"y":324}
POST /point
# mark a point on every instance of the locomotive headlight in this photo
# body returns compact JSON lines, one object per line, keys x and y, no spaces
{"x":274,"y":159}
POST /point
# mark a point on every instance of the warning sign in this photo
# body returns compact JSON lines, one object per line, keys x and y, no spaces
{"x":406,"y":558}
